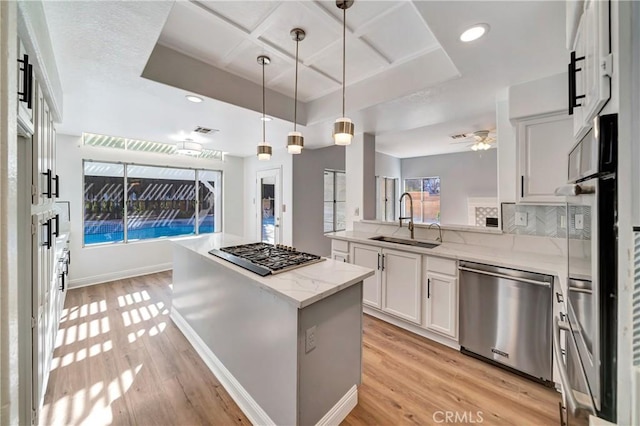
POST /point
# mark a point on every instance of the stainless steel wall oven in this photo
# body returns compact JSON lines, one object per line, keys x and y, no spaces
{"x":588,"y":366}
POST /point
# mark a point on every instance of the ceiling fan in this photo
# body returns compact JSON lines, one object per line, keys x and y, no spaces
{"x":482,"y":139}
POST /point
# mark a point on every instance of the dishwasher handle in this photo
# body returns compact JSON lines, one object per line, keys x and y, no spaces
{"x":508,"y":277}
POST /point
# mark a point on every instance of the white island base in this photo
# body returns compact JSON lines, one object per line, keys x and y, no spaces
{"x":254,"y":332}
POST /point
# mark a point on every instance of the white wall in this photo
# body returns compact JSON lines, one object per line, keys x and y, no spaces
{"x":506,"y":141}
{"x":462,"y":175}
{"x":361,"y":186}
{"x":280,"y":159}
{"x":95,"y":264}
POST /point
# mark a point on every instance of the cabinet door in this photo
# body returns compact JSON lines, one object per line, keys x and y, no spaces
{"x":369,"y":257}
{"x":442,"y":304}
{"x":401,"y":284}
{"x":597,"y":83}
{"x":543,"y":146}
{"x":39,"y":180}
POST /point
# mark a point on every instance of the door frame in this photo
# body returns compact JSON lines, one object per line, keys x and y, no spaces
{"x":277,"y":213}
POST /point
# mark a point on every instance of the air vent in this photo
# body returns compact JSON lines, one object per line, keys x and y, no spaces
{"x":205,"y":130}
{"x":459,"y":136}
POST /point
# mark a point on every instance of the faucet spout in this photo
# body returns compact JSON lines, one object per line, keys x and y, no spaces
{"x":439,"y":229}
{"x":410,"y":217}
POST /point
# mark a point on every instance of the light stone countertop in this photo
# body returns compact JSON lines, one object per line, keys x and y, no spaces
{"x":301,"y":287}
{"x":550,"y":264}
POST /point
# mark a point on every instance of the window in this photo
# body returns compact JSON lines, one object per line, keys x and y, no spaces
{"x":335,"y":196}
{"x":426,"y":199}
{"x":386,"y":198}
{"x":159,"y":202}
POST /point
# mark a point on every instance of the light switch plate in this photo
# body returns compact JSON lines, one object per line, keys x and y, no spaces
{"x":521,"y":218}
{"x":579,"y":222}
{"x":310,"y":339}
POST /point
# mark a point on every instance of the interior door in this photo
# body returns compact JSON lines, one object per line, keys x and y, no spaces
{"x":269,"y":206}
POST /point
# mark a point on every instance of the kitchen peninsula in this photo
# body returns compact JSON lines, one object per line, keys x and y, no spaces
{"x":287,"y":347}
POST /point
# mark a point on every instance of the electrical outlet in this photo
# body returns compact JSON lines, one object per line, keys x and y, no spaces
{"x":357,"y":211}
{"x":521,"y":218}
{"x":310,"y":339}
{"x":563,"y":222}
{"x":579,"y":222}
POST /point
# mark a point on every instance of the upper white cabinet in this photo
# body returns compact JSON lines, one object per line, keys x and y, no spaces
{"x":401,"y":284}
{"x":543,"y":143}
{"x":591,"y":66}
{"x":25,"y":91}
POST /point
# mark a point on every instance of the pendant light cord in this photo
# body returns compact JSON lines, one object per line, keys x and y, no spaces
{"x":295,"y":98}
{"x":344,"y":54}
{"x":263,"y":108}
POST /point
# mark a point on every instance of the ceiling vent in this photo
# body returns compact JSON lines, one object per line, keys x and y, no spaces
{"x":459,"y":136}
{"x":205,"y":130}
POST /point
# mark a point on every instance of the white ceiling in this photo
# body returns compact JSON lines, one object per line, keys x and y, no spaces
{"x":412,"y":82}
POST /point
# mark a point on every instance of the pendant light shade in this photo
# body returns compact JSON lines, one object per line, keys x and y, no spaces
{"x":295,"y":140}
{"x":188,"y":147}
{"x":343,"y":128}
{"x":264,"y":150}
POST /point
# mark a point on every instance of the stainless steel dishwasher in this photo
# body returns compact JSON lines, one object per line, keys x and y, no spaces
{"x":506,"y":318}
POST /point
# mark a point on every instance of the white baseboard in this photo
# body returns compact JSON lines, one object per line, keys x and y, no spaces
{"x":341,"y":410}
{"x":247,"y":404}
{"x":412,"y":328}
{"x":119,"y":275}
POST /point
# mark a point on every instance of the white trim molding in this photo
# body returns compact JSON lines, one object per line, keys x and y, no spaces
{"x":119,"y":275}
{"x":247,"y":404}
{"x":341,"y":410}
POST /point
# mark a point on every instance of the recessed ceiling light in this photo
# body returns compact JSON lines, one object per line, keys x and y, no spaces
{"x":266,"y":118}
{"x":194,"y":98}
{"x":474,"y":32}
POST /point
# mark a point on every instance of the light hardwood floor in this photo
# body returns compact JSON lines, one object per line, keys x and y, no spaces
{"x":120,"y":360}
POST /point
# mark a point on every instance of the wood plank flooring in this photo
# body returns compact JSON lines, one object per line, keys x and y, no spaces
{"x":120,"y":360}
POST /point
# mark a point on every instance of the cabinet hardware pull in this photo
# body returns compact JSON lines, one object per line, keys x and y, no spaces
{"x":26,"y":95}
{"x":68,"y":257}
{"x":61,"y":275}
{"x":57,"y":221}
{"x":47,"y":243}
{"x":573,"y":69}
{"x":521,"y":186}
{"x":49,"y":179}
{"x":378,"y":261}
{"x":57,"y":192}
{"x":383,"y":262}
{"x":559,"y":297}
{"x":428,"y":288}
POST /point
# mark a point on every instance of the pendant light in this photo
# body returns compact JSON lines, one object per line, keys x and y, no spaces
{"x":343,"y":127}
{"x":264,"y":149}
{"x":295,"y":140}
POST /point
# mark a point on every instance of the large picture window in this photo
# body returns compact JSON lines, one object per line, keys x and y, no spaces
{"x":159,"y":202}
{"x":335,"y":201}
{"x":425,"y":192}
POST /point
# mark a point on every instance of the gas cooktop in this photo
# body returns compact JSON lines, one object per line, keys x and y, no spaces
{"x":265,"y":259}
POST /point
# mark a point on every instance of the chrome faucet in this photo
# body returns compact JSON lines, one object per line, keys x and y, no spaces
{"x":410,"y":217}
{"x":439,"y":229}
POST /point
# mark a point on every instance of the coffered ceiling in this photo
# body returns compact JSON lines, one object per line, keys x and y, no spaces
{"x":230,"y":35}
{"x":126,"y":67}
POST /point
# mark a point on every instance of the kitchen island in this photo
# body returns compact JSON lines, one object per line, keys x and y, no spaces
{"x":287,"y":347}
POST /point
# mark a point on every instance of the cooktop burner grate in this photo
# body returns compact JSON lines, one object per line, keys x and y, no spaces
{"x":265,"y":259}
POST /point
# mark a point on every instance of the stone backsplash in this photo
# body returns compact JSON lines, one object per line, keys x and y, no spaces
{"x":545,"y":221}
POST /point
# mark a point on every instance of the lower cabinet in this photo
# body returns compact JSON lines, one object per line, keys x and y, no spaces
{"x":340,"y":256}
{"x":442,"y":304}
{"x":396,"y":286}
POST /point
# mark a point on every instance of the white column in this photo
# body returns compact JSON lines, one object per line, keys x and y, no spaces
{"x":360,"y":173}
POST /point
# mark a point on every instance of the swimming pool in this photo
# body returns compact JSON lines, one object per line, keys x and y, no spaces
{"x":100,"y":232}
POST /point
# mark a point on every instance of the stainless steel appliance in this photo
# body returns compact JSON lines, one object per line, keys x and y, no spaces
{"x":266,"y":259}
{"x":505,"y":317}
{"x":588,"y":366}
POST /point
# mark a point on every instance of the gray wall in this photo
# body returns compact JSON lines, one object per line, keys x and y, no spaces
{"x":462,"y":175}
{"x":387,"y":166}
{"x":308,"y":197}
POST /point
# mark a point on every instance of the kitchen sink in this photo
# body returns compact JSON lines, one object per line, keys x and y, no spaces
{"x":405,"y":242}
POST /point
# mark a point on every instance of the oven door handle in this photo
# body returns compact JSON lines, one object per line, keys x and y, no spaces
{"x":574,"y":406}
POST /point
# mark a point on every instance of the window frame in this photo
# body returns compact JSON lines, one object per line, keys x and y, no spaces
{"x":382,"y":216}
{"x":335,"y":202}
{"x":422,"y":178}
{"x":125,"y":218}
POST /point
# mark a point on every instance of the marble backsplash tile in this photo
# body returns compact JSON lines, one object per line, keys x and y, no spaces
{"x":546,"y":221}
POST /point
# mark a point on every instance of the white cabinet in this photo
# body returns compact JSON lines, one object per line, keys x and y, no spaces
{"x":369,"y":257}
{"x":25,"y":92}
{"x":543,"y":144}
{"x":441,"y":296}
{"x":401,"y":284}
{"x":591,"y":66}
{"x":340,"y":250}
